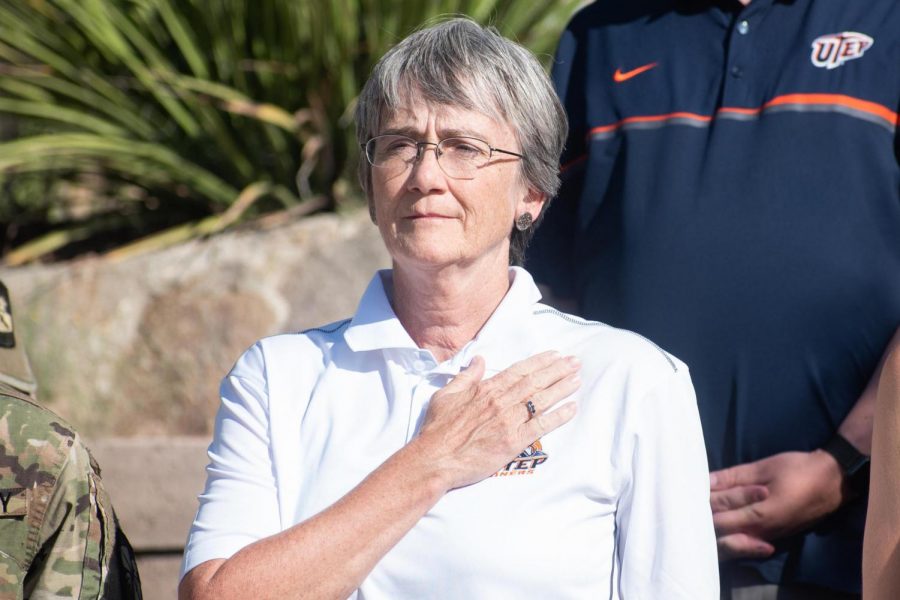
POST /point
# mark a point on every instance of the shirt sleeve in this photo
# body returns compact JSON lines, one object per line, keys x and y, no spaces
{"x":75,"y":532}
{"x":58,"y":524}
{"x":665,"y":543}
{"x":240,"y":502}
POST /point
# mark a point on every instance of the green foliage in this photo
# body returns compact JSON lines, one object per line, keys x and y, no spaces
{"x":120,"y":118}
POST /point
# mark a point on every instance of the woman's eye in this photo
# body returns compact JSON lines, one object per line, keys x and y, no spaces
{"x":399,"y":147}
{"x":464,"y":149}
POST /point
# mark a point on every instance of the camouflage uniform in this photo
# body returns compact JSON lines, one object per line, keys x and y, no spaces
{"x":58,"y":534}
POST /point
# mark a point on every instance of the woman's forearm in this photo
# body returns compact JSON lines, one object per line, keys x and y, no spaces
{"x":329,"y":555}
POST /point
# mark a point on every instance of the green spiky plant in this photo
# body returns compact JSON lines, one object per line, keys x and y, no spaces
{"x":159,"y":120}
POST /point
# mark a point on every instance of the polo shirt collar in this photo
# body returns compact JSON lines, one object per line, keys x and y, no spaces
{"x":731,"y":4}
{"x":375,"y":326}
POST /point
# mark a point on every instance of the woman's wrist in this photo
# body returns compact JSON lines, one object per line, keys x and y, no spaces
{"x":432,"y":474}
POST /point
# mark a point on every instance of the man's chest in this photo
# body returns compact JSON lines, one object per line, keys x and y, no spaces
{"x":699,"y":66}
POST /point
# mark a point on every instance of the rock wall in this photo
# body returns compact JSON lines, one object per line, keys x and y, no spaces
{"x":138,"y":346}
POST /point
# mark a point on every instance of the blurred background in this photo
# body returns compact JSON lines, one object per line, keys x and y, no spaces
{"x":178,"y":179}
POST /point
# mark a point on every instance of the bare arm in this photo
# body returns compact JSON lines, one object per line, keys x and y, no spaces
{"x":472,"y":428}
{"x":347,"y":539}
{"x":881,"y":547}
{"x":857,"y":425}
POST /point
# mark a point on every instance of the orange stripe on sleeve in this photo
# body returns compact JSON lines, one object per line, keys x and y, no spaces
{"x":650,"y":119}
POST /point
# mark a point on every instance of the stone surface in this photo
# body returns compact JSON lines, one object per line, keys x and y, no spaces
{"x":159,"y":575}
{"x":154,"y":483}
{"x":137,"y":346}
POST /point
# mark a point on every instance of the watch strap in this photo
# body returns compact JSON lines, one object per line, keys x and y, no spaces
{"x":854,"y":464}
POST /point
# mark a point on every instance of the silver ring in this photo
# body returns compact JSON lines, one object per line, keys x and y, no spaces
{"x":531,"y":409}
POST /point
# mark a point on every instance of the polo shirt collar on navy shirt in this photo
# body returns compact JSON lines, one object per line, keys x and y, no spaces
{"x":375,"y":326}
{"x":733,"y":6}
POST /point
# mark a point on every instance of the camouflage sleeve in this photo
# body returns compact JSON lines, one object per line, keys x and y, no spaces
{"x":57,"y":525}
{"x":75,"y":533}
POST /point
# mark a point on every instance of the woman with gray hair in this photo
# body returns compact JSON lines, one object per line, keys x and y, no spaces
{"x":430,"y":447}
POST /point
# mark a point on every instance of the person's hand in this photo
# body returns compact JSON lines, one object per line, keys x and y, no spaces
{"x":473,"y":427}
{"x":755,"y":503}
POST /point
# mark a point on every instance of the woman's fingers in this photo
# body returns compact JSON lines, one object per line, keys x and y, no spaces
{"x":553,"y":383}
{"x":532,"y":379}
{"x":551,"y":396}
{"x":513,"y":374}
{"x":468,"y":376}
{"x":543,"y":424}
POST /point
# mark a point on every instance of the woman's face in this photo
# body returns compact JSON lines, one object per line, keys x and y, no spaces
{"x":429,"y":219}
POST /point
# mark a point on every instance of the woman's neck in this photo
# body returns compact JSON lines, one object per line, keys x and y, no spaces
{"x":443,"y":309}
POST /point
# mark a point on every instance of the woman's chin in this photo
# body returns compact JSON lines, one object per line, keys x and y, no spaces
{"x":428,"y":258}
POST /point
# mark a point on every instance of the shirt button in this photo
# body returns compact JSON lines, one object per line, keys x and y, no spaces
{"x":736,"y":72}
{"x":743,"y":27}
{"x":418,"y":366}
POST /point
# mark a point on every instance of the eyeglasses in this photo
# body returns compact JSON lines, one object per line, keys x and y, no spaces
{"x":458,"y":157}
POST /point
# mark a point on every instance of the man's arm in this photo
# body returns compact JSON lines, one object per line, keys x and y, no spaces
{"x":755,"y":503}
{"x":76,"y":533}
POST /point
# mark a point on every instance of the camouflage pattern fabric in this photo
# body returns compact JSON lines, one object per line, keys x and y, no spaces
{"x":57,"y":528}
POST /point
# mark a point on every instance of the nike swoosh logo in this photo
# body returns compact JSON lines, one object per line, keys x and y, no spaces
{"x":619,"y":76}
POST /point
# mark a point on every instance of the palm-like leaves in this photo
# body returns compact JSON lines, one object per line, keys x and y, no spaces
{"x":182,"y":108}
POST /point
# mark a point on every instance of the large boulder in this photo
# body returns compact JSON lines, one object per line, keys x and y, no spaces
{"x":137,"y":346}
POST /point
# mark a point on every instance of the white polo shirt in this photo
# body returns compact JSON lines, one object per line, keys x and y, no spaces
{"x":614,"y":504}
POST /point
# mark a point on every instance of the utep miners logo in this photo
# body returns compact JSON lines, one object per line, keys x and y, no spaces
{"x":526,"y":462}
{"x":832,"y":50}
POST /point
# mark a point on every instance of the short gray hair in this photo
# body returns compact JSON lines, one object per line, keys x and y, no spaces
{"x":462,"y":64}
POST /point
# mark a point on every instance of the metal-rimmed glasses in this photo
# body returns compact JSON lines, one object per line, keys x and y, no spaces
{"x":458,"y":157}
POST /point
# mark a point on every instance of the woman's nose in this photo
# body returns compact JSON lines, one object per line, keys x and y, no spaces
{"x":427,"y":174}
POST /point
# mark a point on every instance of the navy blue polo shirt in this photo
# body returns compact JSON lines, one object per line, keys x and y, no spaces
{"x":731,"y":190}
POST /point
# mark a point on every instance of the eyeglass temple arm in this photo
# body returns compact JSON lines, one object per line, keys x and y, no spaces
{"x":506,"y":152}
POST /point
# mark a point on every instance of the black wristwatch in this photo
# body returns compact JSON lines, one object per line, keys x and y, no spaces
{"x":854,"y":464}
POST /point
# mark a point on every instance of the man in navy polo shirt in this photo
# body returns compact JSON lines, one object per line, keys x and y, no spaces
{"x":732,"y":191}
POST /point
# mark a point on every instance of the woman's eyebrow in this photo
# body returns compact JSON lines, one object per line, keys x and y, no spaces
{"x":449,"y":133}
{"x":414,"y":133}
{"x":411,"y":132}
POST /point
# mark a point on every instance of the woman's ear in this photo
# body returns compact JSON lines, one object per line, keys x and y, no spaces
{"x":533,"y":202}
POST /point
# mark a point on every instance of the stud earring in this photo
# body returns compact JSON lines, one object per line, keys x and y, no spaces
{"x":524,"y":222}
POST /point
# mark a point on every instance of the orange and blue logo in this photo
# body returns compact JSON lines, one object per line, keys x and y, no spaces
{"x":619,"y":76}
{"x":832,"y":50}
{"x":526,"y":462}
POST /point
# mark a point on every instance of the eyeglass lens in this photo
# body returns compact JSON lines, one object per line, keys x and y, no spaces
{"x":458,"y":157}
